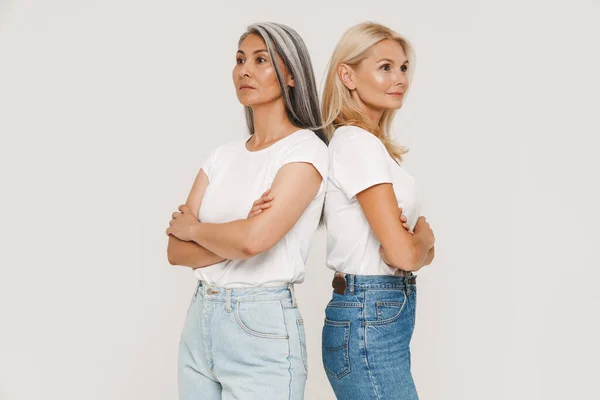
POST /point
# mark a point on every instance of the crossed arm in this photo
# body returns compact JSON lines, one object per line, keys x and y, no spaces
{"x":196,"y":245}
{"x":401,"y":249}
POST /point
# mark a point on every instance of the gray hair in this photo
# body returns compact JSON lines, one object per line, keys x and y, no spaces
{"x":301,"y":101}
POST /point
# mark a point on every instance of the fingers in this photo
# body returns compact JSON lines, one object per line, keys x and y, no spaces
{"x":257,"y":209}
{"x":184,"y":209}
{"x":261,"y":204}
{"x":266,"y":197}
{"x":175,"y":215}
{"x":403,"y":220}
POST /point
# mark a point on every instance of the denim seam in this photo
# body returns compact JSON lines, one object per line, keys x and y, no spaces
{"x":207,"y":353}
{"x":303,"y":352}
{"x":289,"y":357}
{"x":252,"y":332}
{"x":414,"y":309}
{"x":380,"y":286}
{"x":364,"y":327}
{"x":339,"y":304}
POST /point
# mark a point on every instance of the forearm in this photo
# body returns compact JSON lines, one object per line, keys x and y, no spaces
{"x":190,"y":254}
{"x":232,"y":239}
{"x":411,"y":257}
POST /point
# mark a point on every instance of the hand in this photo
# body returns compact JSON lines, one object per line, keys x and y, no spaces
{"x":182,"y":224}
{"x":423,"y":229}
{"x":404,"y":220}
{"x":261,"y":204}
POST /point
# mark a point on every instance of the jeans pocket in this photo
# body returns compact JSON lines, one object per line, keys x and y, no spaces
{"x":336,"y":336}
{"x":389,"y":306}
{"x":261,"y":319}
{"x":302,"y":334}
{"x":388,"y":312}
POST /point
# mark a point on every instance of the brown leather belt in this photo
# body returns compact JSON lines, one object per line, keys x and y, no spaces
{"x":339,"y":281}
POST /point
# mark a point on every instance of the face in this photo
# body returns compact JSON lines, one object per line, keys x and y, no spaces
{"x":379,"y":81}
{"x":254,"y":75}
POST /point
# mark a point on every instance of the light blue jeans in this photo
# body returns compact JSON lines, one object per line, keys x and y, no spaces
{"x":242,"y":344}
{"x":366,"y":338}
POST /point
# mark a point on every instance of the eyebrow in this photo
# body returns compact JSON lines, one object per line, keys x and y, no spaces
{"x":391,"y":61}
{"x":254,"y":52}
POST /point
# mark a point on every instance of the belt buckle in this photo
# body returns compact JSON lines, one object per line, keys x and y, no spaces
{"x":339,"y":283}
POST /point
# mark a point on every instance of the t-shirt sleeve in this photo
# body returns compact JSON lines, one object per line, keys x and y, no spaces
{"x":359,"y":161}
{"x":208,"y":164}
{"x":312,"y":151}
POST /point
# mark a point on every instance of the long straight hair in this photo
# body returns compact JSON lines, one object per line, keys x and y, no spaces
{"x":339,"y":108}
{"x":302,"y":100}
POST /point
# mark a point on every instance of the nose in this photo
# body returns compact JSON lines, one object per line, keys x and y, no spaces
{"x":401,"y":79}
{"x":244,"y":70}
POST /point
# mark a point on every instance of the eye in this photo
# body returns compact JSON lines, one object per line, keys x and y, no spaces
{"x":404,"y":68}
{"x":385,"y":67}
{"x":261,"y":60}
{"x":239,"y":60}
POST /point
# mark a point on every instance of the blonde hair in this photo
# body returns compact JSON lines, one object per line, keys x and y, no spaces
{"x":338,"y":107}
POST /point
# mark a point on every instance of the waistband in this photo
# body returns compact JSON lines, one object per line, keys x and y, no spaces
{"x":253,"y":294}
{"x":348,"y":283}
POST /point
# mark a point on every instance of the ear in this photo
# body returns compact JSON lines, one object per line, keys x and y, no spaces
{"x":347,"y":76}
{"x":290,"y":81}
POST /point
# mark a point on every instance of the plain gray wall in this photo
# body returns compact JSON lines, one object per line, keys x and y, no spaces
{"x":108,"y":107}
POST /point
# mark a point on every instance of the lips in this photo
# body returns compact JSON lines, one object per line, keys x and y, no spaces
{"x":246,"y":87}
{"x":396,"y":93}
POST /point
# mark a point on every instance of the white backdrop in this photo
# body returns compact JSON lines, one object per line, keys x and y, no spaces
{"x":108,"y":107}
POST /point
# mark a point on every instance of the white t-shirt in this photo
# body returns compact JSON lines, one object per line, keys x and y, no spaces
{"x":357,"y":161}
{"x":237,"y":178}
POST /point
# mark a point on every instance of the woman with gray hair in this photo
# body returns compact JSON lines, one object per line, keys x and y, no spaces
{"x":244,"y":335}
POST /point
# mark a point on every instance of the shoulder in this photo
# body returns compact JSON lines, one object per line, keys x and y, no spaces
{"x":307,"y":137}
{"x":306,"y":146}
{"x":353,"y":137}
{"x":306,"y":140}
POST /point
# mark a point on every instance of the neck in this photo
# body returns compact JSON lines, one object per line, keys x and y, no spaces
{"x":271,"y":123}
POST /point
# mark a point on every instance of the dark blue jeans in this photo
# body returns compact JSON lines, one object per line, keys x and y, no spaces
{"x":366,"y":338}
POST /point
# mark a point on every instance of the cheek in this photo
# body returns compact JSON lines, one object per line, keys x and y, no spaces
{"x":382,"y":81}
{"x":269,"y":79}
{"x":268,"y":83}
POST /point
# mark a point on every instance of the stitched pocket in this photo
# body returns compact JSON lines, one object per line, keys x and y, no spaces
{"x":261,"y":319}
{"x":336,"y":337}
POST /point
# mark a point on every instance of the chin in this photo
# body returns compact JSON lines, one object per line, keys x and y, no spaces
{"x":246,"y":100}
{"x":396,"y":105}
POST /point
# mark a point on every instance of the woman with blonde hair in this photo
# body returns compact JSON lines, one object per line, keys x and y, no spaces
{"x":375,"y":236}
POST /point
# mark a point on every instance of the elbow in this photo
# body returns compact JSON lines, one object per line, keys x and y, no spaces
{"x":248,"y":250}
{"x":253,"y":247}
{"x":171,"y":258}
{"x":255,"y":244}
{"x":172,"y":254}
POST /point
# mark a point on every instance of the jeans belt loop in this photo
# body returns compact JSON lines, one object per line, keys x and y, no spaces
{"x":291,"y":288}
{"x":228,"y":299}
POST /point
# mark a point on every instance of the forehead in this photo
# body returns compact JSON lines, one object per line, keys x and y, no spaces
{"x":252,"y":42}
{"x":387,"y":49}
